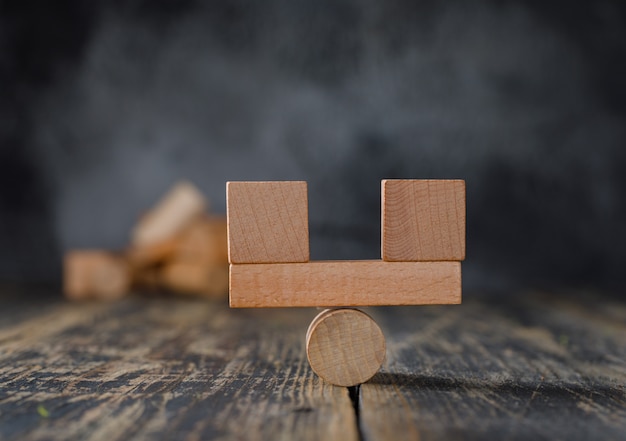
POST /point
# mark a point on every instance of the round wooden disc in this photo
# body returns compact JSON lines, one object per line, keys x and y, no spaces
{"x":345,"y":347}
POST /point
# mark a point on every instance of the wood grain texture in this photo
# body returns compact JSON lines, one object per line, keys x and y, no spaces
{"x":345,"y":283}
{"x":159,"y":369}
{"x":532,"y":367}
{"x":95,"y":274}
{"x":268,"y":222}
{"x":345,"y":347}
{"x":513,"y":366}
{"x":423,"y":220}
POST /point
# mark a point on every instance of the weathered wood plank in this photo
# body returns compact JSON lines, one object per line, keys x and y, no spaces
{"x":513,"y":368}
{"x":496,"y":368}
{"x":164,"y":369}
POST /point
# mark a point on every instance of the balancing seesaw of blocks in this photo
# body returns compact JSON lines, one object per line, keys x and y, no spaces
{"x":423,"y":244}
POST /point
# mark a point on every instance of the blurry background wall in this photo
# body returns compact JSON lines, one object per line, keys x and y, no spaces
{"x":105,"y":104}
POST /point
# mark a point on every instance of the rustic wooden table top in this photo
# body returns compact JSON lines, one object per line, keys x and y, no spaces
{"x":509,"y":367}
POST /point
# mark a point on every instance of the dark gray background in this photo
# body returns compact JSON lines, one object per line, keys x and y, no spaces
{"x":104,"y":105}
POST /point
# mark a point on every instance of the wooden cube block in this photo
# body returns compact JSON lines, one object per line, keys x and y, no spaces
{"x":268,"y":222}
{"x":95,"y":274}
{"x":423,"y":220}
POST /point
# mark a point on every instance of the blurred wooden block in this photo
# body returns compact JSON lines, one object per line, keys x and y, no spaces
{"x":268,"y":222}
{"x":146,"y":279}
{"x":191,"y":278}
{"x":345,"y":283}
{"x":95,"y":274}
{"x":203,"y":242}
{"x":345,"y":347}
{"x":144,"y":256}
{"x":423,"y":220}
{"x":178,"y":208}
{"x":195,"y":261}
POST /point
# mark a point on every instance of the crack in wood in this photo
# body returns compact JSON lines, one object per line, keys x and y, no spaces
{"x":354,"y":393}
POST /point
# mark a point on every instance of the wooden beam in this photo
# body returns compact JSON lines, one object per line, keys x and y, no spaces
{"x":268,"y":222}
{"x":344,"y":283}
{"x":423,"y":220}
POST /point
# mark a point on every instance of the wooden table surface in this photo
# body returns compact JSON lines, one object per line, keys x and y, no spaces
{"x":526,"y":366}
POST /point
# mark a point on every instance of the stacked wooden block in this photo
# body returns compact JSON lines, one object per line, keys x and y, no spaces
{"x":423,"y":243}
{"x":176,"y":247}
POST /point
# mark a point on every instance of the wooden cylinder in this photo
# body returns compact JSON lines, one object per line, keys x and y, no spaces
{"x":345,"y":347}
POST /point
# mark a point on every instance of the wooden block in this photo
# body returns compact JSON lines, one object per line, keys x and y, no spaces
{"x":144,"y":256}
{"x":191,"y":278}
{"x":146,"y":279}
{"x":345,"y":283}
{"x":423,"y":220}
{"x":178,"y":208}
{"x":204,"y":242}
{"x":345,"y":347}
{"x":268,"y":222}
{"x":95,"y":274}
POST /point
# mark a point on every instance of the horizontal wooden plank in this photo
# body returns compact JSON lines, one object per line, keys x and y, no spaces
{"x":505,"y":367}
{"x":345,"y":283}
{"x":513,"y":365}
{"x":163,"y":369}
